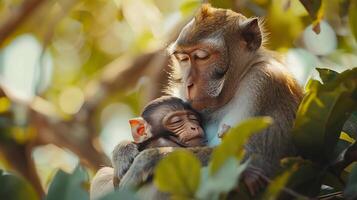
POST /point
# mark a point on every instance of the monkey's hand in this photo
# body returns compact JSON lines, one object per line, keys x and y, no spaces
{"x":254,"y":179}
{"x":123,"y":156}
{"x":143,"y":166}
{"x":223,"y":130}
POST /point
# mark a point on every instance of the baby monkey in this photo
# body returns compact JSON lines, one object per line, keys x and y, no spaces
{"x":165,"y":122}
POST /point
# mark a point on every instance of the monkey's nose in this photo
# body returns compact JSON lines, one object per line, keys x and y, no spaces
{"x":188,"y":90}
{"x":196,"y":130}
{"x":189,"y":82}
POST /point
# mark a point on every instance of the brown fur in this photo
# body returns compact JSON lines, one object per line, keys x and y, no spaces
{"x":207,"y":20}
{"x":278,"y":97}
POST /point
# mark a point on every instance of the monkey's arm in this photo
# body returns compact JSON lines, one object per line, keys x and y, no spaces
{"x":107,"y":178}
{"x":265,"y":151}
{"x":102,"y":183}
{"x":122,"y":158}
{"x":143,"y":166}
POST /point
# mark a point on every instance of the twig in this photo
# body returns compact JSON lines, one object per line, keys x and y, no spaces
{"x":18,"y":17}
{"x":20,"y":159}
{"x":330,"y":196}
{"x":285,"y":189}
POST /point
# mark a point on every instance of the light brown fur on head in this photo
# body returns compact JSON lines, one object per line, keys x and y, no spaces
{"x":234,"y":41}
{"x":209,"y":20}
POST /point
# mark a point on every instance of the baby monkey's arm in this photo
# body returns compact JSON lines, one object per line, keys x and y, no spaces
{"x":122,"y":158}
{"x":143,"y":166}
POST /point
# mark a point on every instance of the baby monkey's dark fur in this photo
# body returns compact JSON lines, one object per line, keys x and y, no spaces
{"x":183,"y":131}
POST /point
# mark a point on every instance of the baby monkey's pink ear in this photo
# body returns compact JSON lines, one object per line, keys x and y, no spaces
{"x":138,"y":129}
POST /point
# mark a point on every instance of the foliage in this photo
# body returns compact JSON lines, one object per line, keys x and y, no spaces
{"x":323,"y":112}
{"x":69,"y":186}
{"x":232,"y":144}
{"x":275,"y":187}
{"x":14,"y":187}
{"x":183,"y":168}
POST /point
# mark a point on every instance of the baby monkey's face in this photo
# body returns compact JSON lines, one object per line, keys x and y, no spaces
{"x":186,"y":126}
{"x":168,"y":122}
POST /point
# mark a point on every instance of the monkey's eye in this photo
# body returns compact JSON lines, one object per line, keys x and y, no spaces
{"x":201,"y":54}
{"x":193,"y":117}
{"x":181,"y":57}
{"x":175,"y":119}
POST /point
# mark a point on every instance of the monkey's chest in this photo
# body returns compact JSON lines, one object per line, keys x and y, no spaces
{"x":211,"y":134}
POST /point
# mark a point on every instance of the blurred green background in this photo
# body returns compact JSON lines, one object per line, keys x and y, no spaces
{"x":72,"y":72}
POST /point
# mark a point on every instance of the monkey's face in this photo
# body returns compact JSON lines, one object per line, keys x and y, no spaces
{"x":211,"y":53}
{"x":203,"y":70}
{"x":185,"y":125}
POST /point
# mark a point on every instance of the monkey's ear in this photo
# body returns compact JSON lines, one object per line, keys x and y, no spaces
{"x":139,"y":129}
{"x":204,"y":12}
{"x":251,"y":33}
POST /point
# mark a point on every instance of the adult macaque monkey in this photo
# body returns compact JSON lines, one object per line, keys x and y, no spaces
{"x":222,"y":69}
{"x":165,"y":122}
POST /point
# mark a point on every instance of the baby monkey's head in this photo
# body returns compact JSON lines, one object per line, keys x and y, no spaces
{"x":168,"y":122}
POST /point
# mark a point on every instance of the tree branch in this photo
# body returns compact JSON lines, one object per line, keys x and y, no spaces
{"x":17,"y":17}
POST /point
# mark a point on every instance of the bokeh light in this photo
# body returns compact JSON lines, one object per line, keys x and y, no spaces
{"x":71,"y":99}
{"x":24,"y":68}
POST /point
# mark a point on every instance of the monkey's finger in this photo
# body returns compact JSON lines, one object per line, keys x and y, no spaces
{"x":259,"y":185}
{"x":254,"y":170}
{"x":262,"y":183}
{"x":116,"y":181}
{"x":251,"y":189}
{"x":251,"y":184}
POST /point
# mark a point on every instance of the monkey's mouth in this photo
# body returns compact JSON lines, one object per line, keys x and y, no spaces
{"x":196,"y":141}
{"x":204,"y":103}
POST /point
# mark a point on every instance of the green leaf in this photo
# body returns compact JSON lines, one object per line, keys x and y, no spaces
{"x":350,"y":191}
{"x":178,"y":174}
{"x":322,"y":114}
{"x":327,"y":75}
{"x":350,"y":127}
{"x":307,"y":178}
{"x":352,"y":17}
{"x":66,"y":186}
{"x":120,"y":194}
{"x":233,"y":142}
{"x":14,"y":187}
{"x":339,"y":149}
{"x":221,"y":182}
{"x":276,"y":186}
{"x":332,"y":180}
